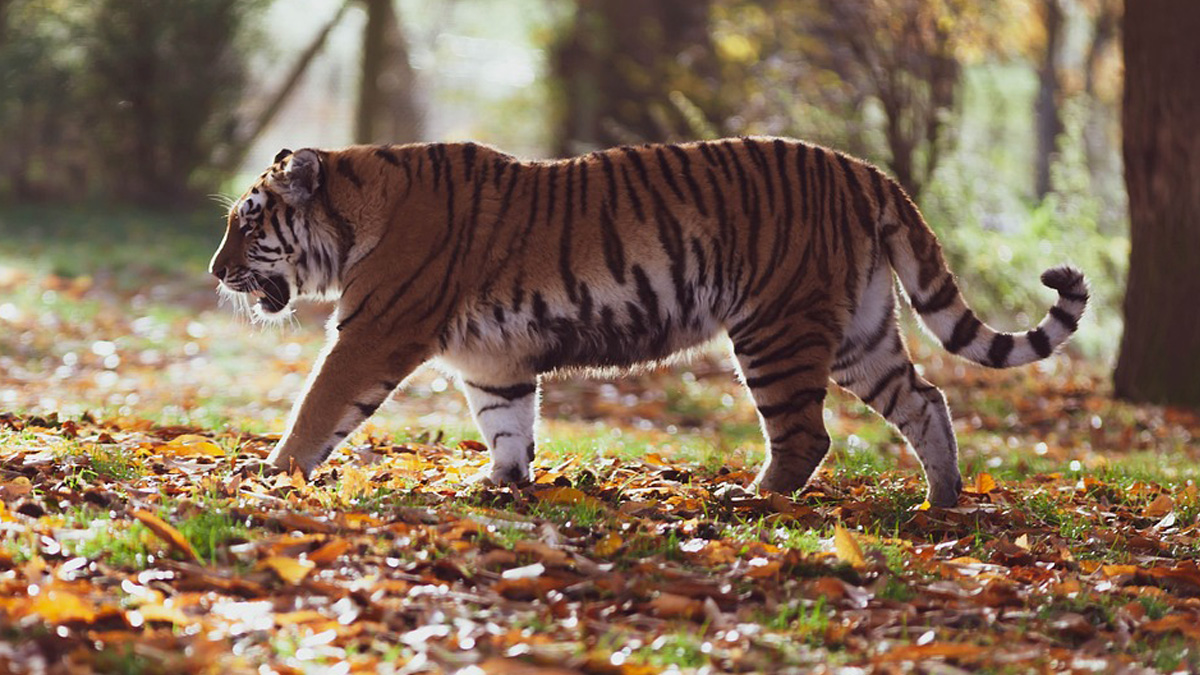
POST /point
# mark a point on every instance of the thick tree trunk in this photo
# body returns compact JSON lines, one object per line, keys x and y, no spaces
{"x":1160,"y":351}
{"x":387,"y":108}
{"x":1049,"y":122}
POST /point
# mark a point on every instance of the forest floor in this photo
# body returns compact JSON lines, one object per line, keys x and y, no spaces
{"x":133,"y":537}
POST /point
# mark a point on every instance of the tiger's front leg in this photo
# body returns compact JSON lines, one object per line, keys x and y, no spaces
{"x":505,"y":410}
{"x":353,"y":376}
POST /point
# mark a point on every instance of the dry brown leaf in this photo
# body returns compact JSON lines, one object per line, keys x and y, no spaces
{"x":165,"y":531}
{"x":329,"y":552}
{"x":671,"y":606}
{"x":1161,"y":506}
{"x":932,"y":650}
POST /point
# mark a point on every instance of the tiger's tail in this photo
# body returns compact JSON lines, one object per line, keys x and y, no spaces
{"x":916,"y":256}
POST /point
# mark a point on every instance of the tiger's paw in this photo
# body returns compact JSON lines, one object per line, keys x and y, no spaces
{"x":943,"y":492}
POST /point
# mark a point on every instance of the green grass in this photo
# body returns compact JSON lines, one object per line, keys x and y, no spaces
{"x":131,"y":245}
{"x":803,"y":620}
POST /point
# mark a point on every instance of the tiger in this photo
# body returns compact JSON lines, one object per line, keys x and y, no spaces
{"x":507,"y":270}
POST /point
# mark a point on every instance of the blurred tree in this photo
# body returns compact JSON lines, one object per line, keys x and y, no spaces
{"x":855,"y":71}
{"x":125,"y":99}
{"x":42,"y":147}
{"x":1049,"y":121}
{"x":1159,"y":359}
{"x":619,"y":63}
{"x":387,"y":107}
{"x":159,"y":90}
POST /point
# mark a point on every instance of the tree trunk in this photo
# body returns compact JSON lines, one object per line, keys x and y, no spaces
{"x":387,"y":107}
{"x":1160,"y":351}
{"x":1049,"y":122}
{"x":617,"y":63}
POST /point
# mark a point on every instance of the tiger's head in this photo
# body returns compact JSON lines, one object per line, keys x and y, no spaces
{"x":278,"y":245}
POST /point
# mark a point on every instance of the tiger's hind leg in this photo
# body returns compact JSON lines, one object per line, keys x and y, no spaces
{"x":873,"y":363}
{"x":786,"y":368}
{"x":505,"y":412}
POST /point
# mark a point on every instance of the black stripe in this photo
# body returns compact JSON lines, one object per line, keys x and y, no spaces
{"x":638,"y":164}
{"x":610,"y":175}
{"x":583,"y":186}
{"x":614,"y":248}
{"x":1064,"y":317}
{"x":941,"y":299}
{"x":633,"y":197}
{"x":501,"y":434}
{"x":799,"y":400}
{"x":998,"y":353}
{"x":781,"y":159}
{"x":388,"y":156}
{"x":794,"y":431}
{"x":510,"y":393}
{"x":760,"y":161}
{"x":884,"y":381}
{"x":367,"y":409}
{"x":646,"y":294}
{"x":1040,"y":342}
{"x":771,"y":378}
{"x":468,"y":158}
{"x":693,"y":187}
{"x":809,"y":341}
{"x":493,"y":406}
{"x":964,"y":332}
{"x":667,"y":171}
{"x":345,"y":168}
{"x":1078,"y":297}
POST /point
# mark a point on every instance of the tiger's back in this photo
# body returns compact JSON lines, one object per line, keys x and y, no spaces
{"x":510,"y":269}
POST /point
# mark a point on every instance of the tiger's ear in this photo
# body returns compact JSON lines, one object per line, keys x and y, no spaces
{"x":301,"y":178}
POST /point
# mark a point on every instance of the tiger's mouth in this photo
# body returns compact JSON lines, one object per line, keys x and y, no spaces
{"x":272,"y":292}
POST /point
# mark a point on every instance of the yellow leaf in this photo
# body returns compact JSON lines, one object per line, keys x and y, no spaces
{"x":57,"y":606}
{"x":847,"y":547}
{"x":570,"y":496}
{"x":608,"y":545}
{"x":289,"y":570}
{"x":924,"y":506}
{"x":163,"y":530}
{"x":193,"y":444}
{"x":158,"y":612}
{"x":1023,"y":541}
{"x":984,"y":483}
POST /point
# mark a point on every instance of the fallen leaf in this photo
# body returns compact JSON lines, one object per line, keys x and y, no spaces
{"x":608,"y":545}
{"x":984,"y":483}
{"x":165,"y":531}
{"x":289,"y":570}
{"x":61,"y":606}
{"x":1161,"y":506}
{"x":570,"y":496}
{"x":847,"y":548}
{"x":944,"y":650}
{"x":192,"y":444}
{"x":671,"y":606}
{"x":329,"y":552}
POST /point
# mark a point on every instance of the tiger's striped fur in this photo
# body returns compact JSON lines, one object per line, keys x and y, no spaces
{"x":509,"y":269}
